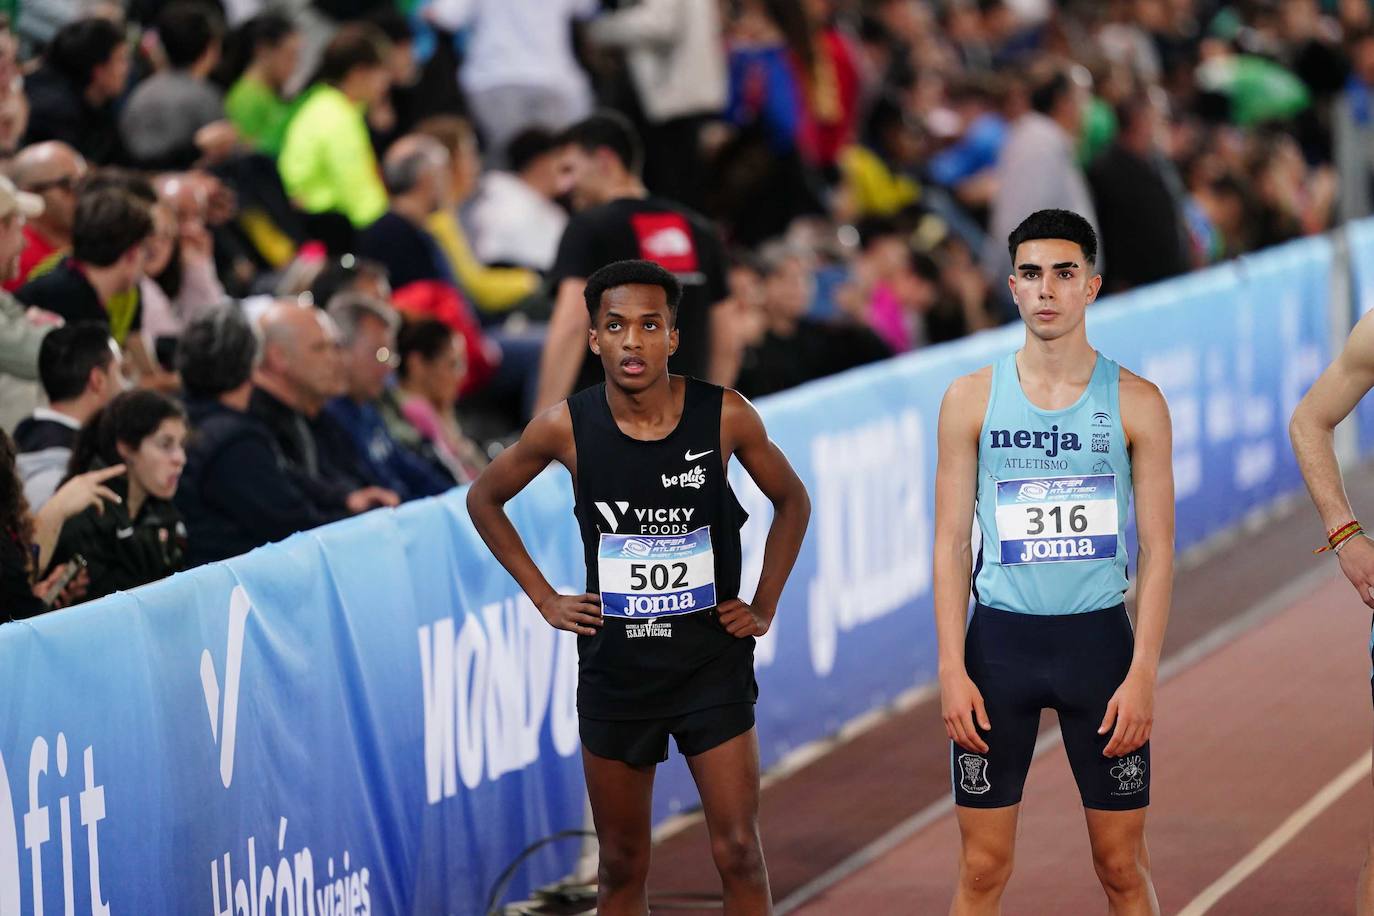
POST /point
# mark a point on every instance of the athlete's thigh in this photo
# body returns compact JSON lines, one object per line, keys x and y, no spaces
{"x":988,"y":834}
{"x":1097,"y":657}
{"x":727,"y":778}
{"x":998,"y":666}
{"x":621,"y":797}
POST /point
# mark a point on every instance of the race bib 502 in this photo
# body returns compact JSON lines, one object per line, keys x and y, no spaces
{"x":646,"y":576}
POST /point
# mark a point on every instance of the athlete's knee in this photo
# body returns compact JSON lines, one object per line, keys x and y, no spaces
{"x":623,"y":865}
{"x":984,"y":869}
{"x":738,"y":854}
{"x":1121,"y":871}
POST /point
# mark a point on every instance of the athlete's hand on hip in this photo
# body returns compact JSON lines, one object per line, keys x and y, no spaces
{"x":580,"y":614}
{"x":741,"y":620}
{"x":961,"y":703}
{"x":1132,"y":708}
{"x":1357,"y":562}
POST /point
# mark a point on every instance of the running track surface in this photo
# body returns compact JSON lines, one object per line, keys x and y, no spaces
{"x":1261,"y":787}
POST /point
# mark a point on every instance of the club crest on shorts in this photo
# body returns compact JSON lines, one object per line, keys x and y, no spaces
{"x":1130,"y":772}
{"x":973,"y":772}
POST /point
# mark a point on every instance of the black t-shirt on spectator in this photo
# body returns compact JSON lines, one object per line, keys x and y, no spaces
{"x":59,"y":111}
{"x":65,"y":291}
{"x":655,"y":229}
{"x":813,"y":350}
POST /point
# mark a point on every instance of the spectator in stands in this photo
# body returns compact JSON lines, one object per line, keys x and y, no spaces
{"x":367,"y":329}
{"x":677,"y":62}
{"x":350,"y":274}
{"x":257,"y":102}
{"x":235,"y":493}
{"x":175,"y":118}
{"x":517,"y":219}
{"x":1039,"y":167}
{"x":617,"y":220}
{"x":140,"y":537}
{"x":21,"y":332}
{"x":419,"y":409}
{"x":82,"y":370}
{"x":1138,"y":197}
{"x":519,"y":69}
{"x":494,"y":290}
{"x":27,"y":538}
{"x":327,"y":163}
{"x":794,"y":348}
{"x":391,"y":117}
{"x":72,"y":95}
{"x":300,"y":372}
{"x":179,"y":282}
{"x":416,"y":172}
{"x":53,"y":171}
{"x":109,"y":233}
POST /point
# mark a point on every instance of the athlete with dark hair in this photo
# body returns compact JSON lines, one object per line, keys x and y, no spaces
{"x":1046,"y":447}
{"x":665,"y":643}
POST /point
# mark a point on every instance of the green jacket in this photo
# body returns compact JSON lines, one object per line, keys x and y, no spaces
{"x":327,"y":161}
{"x":19,"y":339}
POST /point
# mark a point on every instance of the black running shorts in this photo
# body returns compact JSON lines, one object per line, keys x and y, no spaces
{"x":644,"y":742}
{"x":1071,"y":663}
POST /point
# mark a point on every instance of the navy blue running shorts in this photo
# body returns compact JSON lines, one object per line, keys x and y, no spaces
{"x":1071,"y":663}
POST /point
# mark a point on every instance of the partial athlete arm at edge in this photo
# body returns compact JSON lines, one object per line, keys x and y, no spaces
{"x":747,"y":439}
{"x":565,"y":345}
{"x":1149,"y":432}
{"x":547,"y":438}
{"x":1312,"y":431}
{"x":956,"y":491}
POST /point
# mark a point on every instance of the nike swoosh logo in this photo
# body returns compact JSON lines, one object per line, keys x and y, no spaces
{"x":224,"y":725}
{"x":690,"y":457}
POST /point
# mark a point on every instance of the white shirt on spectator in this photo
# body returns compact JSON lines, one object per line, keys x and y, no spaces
{"x":675,"y":54}
{"x":517,"y":42}
{"x":1038,"y":170}
{"x":514,"y":224}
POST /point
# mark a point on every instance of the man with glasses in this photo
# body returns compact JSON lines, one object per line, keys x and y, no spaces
{"x":53,"y":171}
{"x":367,"y":337}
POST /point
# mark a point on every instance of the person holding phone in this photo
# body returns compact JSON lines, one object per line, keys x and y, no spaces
{"x":27,"y":540}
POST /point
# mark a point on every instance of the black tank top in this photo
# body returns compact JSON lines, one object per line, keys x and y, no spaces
{"x":660,"y":533}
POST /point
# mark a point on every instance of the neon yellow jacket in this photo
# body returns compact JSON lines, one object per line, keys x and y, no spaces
{"x":327,"y":161}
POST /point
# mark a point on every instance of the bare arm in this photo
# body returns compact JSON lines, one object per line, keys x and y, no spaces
{"x":548,"y":437}
{"x":565,"y":345}
{"x":1330,"y":400}
{"x":1145,"y":417}
{"x":956,"y":489}
{"x":745,"y":437}
{"x":727,"y":347}
{"x":1150,"y":433}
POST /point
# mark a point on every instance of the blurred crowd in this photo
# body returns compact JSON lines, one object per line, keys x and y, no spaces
{"x":271,"y":264}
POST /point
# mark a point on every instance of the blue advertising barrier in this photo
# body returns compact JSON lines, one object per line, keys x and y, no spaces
{"x":1360,"y":238}
{"x":370,"y":718}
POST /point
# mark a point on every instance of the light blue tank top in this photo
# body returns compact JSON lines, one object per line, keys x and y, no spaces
{"x":1053,"y":490}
